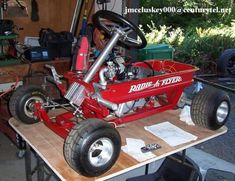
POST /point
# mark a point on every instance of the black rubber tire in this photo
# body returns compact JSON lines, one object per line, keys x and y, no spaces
{"x":19,"y":100}
{"x":204,"y":108}
{"x":226,"y":61}
{"x":79,"y":141}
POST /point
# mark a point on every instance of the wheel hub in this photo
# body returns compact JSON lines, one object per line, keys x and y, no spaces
{"x":222,"y":111}
{"x":29,"y":105}
{"x":100,"y":152}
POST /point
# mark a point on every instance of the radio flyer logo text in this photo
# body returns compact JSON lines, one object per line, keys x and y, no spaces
{"x":158,"y":83}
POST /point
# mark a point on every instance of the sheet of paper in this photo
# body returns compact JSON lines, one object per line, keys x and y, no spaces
{"x":132,"y":148}
{"x":170,"y":133}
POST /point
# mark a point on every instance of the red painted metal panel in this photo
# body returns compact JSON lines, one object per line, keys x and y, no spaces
{"x":171,"y":83}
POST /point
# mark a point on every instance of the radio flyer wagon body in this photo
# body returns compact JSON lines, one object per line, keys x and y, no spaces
{"x":109,"y":93}
{"x":124,"y":101}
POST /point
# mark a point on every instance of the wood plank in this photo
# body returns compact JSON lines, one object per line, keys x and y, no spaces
{"x":50,"y":146}
{"x":56,"y":14}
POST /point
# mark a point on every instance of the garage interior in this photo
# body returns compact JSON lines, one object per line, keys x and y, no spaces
{"x":37,"y":33}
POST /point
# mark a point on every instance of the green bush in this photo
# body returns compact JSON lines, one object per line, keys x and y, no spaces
{"x":199,"y":46}
{"x":208,"y":43}
{"x":164,"y":34}
{"x":187,"y":20}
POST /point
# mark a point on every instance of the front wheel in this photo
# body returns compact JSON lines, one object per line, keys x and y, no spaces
{"x":92,"y":147}
{"x":21,"y":104}
{"x":210,"y":108}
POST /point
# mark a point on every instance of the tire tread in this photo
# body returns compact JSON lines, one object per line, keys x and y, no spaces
{"x":71,"y":145}
{"x":16,"y":97}
{"x":203,"y":107}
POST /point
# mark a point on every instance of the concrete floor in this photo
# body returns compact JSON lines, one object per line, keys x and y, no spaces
{"x":11,"y":167}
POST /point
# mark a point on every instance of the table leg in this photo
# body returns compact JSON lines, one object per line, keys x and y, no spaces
{"x":40,"y":166}
{"x":28,"y":163}
{"x":183,"y":155}
{"x":146,"y":169}
{"x":21,"y":146}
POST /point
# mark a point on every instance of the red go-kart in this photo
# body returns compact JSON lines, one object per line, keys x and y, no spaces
{"x":111,"y":92}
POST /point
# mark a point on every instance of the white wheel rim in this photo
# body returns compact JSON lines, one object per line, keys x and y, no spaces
{"x":100,"y":152}
{"x":222,"y":111}
{"x":29,"y":105}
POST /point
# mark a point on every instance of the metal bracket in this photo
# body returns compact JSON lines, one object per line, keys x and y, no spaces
{"x":55,"y":75}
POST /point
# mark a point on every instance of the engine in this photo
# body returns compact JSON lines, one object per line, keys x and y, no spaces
{"x":127,"y":107}
{"x":117,"y":71}
{"x":117,"y":68}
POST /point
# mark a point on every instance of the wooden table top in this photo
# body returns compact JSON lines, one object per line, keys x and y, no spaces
{"x":49,"y":146}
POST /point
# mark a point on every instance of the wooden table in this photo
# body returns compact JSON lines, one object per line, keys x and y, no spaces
{"x":49,"y":146}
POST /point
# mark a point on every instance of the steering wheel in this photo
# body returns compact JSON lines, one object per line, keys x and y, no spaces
{"x":108,"y":21}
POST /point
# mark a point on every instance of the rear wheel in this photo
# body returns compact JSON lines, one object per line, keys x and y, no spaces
{"x":210,"y":108}
{"x":92,"y":147}
{"x":21,"y":104}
